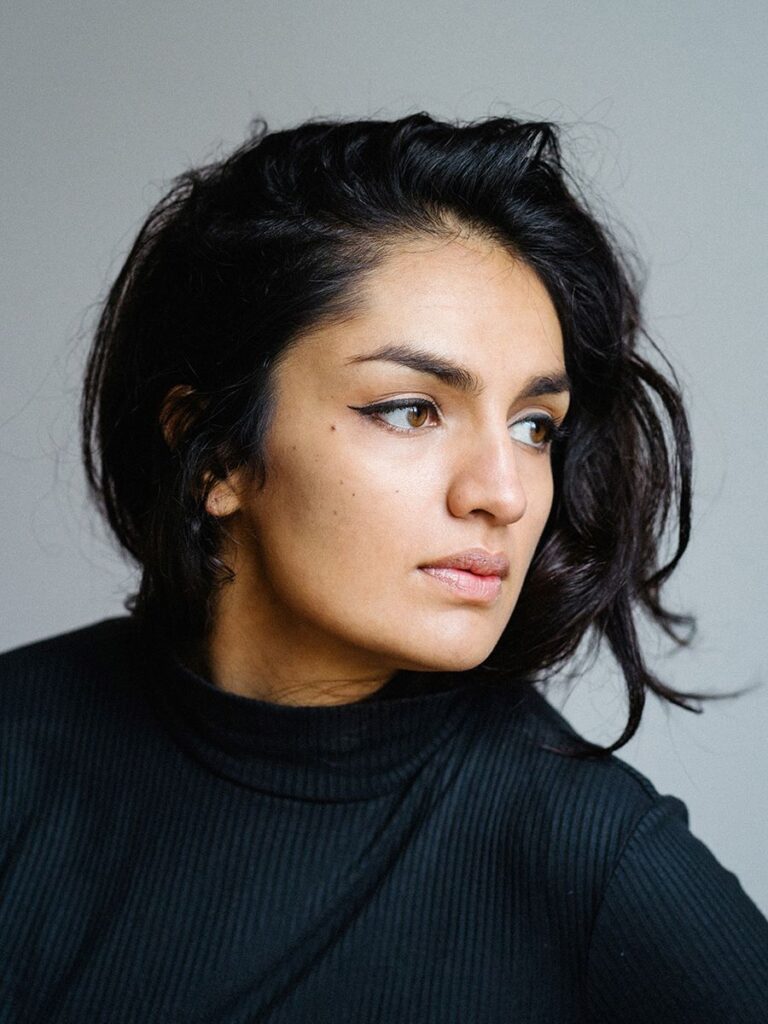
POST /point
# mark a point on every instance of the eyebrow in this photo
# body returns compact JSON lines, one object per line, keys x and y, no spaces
{"x":456,"y":376}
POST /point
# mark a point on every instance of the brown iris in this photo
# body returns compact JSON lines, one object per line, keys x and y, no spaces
{"x":540,"y":433}
{"x":417,"y":415}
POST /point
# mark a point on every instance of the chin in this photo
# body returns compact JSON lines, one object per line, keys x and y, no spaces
{"x":454,"y":657}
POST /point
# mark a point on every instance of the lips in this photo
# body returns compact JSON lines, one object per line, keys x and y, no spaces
{"x":472,"y":576}
{"x":476,"y":560}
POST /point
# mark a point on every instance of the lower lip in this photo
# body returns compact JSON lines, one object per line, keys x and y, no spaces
{"x":467,"y":584}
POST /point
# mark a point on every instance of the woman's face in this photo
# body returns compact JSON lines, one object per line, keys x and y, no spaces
{"x":411,"y":434}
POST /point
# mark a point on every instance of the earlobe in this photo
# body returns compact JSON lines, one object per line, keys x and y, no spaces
{"x":223,"y":499}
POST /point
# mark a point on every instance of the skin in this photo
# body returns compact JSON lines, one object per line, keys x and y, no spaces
{"x":329,"y":600}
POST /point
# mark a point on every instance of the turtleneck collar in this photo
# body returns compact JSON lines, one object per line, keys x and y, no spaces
{"x":337,"y":752}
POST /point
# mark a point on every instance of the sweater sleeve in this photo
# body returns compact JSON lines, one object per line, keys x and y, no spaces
{"x":676,"y":938}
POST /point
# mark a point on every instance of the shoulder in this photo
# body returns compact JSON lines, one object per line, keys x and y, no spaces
{"x":670,"y":933}
{"x":88,"y":637}
{"x":66,"y":663}
{"x":78,"y":678}
{"x":536,"y":736}
{"x":83,"y":638}
{"x":58,"y":695}
{"x":581,"y":812}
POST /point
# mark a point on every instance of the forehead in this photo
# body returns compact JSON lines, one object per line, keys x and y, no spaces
{"x":468,"y":300}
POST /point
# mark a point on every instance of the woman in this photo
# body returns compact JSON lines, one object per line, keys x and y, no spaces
{"x":366,"y":406}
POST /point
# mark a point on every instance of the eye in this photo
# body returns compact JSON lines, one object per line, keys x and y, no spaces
{"x":403,"y":415}
{"x":538,"y":431}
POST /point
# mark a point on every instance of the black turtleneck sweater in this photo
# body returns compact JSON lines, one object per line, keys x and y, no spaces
{"x":171,"y":853}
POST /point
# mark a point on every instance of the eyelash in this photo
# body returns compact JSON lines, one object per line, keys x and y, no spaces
{"x":555,"y":432}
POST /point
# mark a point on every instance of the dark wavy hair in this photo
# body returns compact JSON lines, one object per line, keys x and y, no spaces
{"x":243,"y":255}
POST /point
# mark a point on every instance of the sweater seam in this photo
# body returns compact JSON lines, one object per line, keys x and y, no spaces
{"x":614,"y":871}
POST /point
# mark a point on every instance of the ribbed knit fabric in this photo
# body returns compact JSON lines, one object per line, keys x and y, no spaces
{"x":172,"y":853}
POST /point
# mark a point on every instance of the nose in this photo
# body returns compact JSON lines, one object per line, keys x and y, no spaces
{"x":487,"y":480}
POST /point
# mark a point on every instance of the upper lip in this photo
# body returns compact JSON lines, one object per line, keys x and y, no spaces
{"x":476,"y":560}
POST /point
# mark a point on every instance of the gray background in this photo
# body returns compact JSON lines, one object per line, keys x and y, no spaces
{"x":665,"y":111}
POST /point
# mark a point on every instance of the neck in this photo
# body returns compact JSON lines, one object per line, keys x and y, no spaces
{"x":245,"y":655}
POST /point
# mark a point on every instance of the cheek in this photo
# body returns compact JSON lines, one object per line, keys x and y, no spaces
{"x":335,"y":506}
{"x":545,"y":503}
{"x":540,"y":495}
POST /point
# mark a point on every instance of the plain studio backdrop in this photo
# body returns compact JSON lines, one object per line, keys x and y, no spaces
{"x":664,"y":107}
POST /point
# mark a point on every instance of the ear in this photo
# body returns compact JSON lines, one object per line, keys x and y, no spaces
{"x":177,"y":413}
{"x":224,"y":497}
